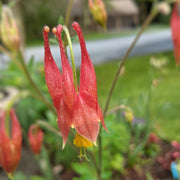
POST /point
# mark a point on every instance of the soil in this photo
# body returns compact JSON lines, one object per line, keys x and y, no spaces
{"x":155,"y":169}
{"x":29,"y":167}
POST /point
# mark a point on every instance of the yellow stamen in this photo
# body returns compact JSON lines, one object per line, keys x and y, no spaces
{"x":82,"y":143}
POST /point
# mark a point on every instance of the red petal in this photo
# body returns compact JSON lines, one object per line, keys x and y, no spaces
{"x":16,"y":130}
{"x":100,"y":115}
{"x":69,"y":92}
{"x":87,"y":74}
{"x":85,"y":118}
{"x":175,"y":29}
{"x":52,"y":73}
{"x":64,"y":120}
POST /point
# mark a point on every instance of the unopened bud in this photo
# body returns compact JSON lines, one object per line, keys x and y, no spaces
{"x":153,"y":138}
{"x":35,"y":135}
{"x":164,"y":8}
{"x":9,"y":32}
{"x":98,"y":12}
{"x":129,"y":116}
{"x":10,"y":146}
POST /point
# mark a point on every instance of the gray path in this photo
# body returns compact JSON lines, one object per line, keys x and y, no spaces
{"x":104,"y":50}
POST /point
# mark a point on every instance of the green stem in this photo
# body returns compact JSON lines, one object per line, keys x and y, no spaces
{"x":33,"y":84}
{"x":99,"y":169}
{"x":72,"y":57}
{"x":67,"y":18}
{"x":50,"y":128}
{"x":8,"y":108}
{"x":68,"y":12}
{"x":11,"y":56}
{"x":146,"y":23}
{"x":116,"y":108}
{"x":10,"y":177}
{"x":144,"y":26}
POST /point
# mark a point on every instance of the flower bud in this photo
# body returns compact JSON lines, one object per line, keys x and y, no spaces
{"x":129,"y":116}
{"x":9,"y":32}
{"x":164,"y":8}
{"x":10,"y":147}
{"x":98,"y":12}
{"x":153,"y":138}
{"x":35,"y":138}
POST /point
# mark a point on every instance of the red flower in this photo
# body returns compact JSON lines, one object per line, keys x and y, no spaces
{"x":78,"y":109}
{"x":10,"y":148}
{"x":175,"y":29}
{"x":35,"y":135}
{"x":153,"y":138}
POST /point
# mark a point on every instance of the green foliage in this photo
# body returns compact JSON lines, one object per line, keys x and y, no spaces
{"x":85,"y":171}
{"x":37,"y":178}
{"x":19,"y":176}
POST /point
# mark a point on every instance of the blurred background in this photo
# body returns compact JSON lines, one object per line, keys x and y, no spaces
{"x":143,"y":114}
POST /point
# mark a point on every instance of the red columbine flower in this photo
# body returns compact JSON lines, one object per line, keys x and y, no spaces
{"x":75,"y":108}
{"x":10,"y":147}
{"x":35,"y":135}
{"x":175,"y":29}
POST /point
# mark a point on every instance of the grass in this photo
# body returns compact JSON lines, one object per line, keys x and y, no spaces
{"x":133,"y":89}
{"x":125,"y":32}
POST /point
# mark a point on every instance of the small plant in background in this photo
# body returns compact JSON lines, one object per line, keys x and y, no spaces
{"x":172,"y":156}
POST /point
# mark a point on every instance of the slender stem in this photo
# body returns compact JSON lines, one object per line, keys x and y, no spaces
{"x":144,"y":26}
{"x":146,"y":23}
{"x":50,"y":128}
{"x":93,"y":159}
{"x":8,"y":108}
{"x":10,"y":176}
{"x":100,"y":155}
{"x":67,"y":18}
{"x":11,"y":55}
{"x":116,"y":108}
{"x":68,"y":12}
{"x":33,"y":84}
{"x":72,"y":57}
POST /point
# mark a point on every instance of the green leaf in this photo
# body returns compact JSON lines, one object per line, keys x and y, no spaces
{"x":37,"y":178}
{"x":84,"y":170}
{"x":118,"y":162}
{"x":19,"y":176}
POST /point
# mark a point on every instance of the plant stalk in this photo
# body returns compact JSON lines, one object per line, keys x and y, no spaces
{"x":33,"y":84}
{"x":144,"y":26}
{"x":68,"y":12}
{"x":72,"y":57}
